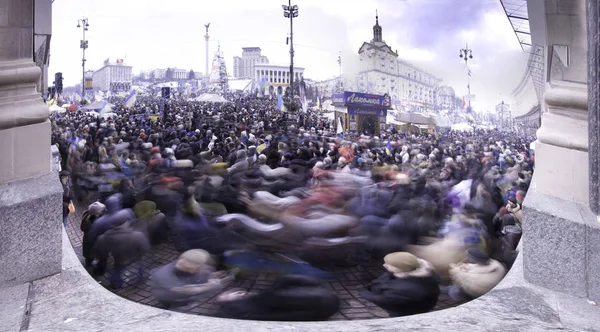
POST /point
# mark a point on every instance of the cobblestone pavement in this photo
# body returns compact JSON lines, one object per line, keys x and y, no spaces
{"x":346,"y":287}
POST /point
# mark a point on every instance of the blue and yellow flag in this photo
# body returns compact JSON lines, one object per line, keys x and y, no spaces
{"x":130,"y":101}
{"x":388,"y":148}
{"x":105,"y":108}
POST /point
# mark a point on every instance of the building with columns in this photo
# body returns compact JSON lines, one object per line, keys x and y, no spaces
{"x":244,"y":66}
{"x":382,"y":71}
{"x":113,"y":76}
{"x":270,"y":77}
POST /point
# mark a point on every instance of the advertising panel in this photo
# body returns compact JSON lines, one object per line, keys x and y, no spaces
{"x":357,"y":110}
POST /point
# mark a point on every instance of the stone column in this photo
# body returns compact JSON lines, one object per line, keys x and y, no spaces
{"x":30,"y":194}
{"x":561,"y":235}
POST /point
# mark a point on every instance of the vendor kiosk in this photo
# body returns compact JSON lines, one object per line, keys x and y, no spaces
{"x":360,"y":113}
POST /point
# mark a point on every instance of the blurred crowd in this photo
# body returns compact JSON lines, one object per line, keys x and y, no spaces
{"x":243,"y":187}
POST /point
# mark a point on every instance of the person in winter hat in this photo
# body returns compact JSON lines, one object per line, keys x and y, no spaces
{"x":477,"y":275}
{"x":191,"y":277}
{"x":408,"y":287}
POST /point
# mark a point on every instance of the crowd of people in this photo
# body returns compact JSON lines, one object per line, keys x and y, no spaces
{"x":239,"y":185}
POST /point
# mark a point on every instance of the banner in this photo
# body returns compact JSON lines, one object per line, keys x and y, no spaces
{"x":154,"y":118}
{"x":363,"y":99}
{"x":355,"y":110}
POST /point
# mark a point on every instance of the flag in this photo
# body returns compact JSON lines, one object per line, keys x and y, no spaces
{"x":340,"y":127}
{"x":279,"y":103}
{"x":388,"y":148}
{"x":318,"y":103}
{"x":105,"y":108}
{"x":130,"y":101}
{"x":122,"y":94}
{"x":260,"y":148}
{"x":469,"y":72}
{"x":78,"y":97}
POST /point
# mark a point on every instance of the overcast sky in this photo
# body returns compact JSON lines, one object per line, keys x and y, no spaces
{"x":158,"y":34}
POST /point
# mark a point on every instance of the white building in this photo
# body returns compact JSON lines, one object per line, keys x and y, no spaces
{"x":180,"y":74}
{"x":381,"y":71}
{"x":158,"y":74}
{"x":270,"y":77}
{"x":113,"y":76}
{"x":243,"y":67}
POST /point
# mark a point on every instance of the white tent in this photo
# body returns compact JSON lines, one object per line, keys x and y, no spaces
{"x":210,"y":97}
{"x":462,"y":127}
{"x":55,"y":108}
{"x":329,"y":115}
{"x":327,"y":105}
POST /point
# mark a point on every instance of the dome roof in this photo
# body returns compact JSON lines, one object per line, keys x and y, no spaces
{"x":446,"y":90}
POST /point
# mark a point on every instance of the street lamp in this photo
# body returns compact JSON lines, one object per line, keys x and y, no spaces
{"x":83,"y":23}
{"x":467,"y":54}
{"x":290,"y":12}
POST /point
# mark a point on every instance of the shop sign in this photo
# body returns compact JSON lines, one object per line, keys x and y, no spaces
{"x":356,"y":98}
{"x":354,"y":110}
{"x":337,"y":98}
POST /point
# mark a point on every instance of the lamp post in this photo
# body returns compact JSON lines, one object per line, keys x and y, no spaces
{"x":341,"y":85}
{"x":290,"y":12}
{"x":83,"y":44}
{"x":467,"y":54}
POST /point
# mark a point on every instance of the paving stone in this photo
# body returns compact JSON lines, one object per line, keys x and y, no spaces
{"x":348,"y":281}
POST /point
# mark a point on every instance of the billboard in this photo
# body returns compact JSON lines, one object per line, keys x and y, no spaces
{"x":357,"y":110}
{"x":362,"y":99}
{"x":89,"y":84}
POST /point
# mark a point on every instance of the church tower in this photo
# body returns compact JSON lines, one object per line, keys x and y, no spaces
{"x":377,"y":30}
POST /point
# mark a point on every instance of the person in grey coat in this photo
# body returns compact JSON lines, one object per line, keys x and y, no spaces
{"x":126,"y":245}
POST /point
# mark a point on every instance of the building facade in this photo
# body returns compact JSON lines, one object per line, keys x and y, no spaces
{"x":113,"y":76}
{"x":180,"y":74}
{"x":269,"y":77}
{"x":382,"y":71}
{"x":42,"y":33}
{"x":244,"y":66}
{"x":158,"y":74}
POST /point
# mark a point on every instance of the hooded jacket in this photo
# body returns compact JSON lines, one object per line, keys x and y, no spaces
{"x":476,"y":279}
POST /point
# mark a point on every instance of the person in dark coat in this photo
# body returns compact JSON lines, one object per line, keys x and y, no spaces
{"x":126,"y":245}
{"x":193,"y":276}
{"x":292,"y":298}
{"x":94,"y":211}
{"x":115,"y":215}
{"x":409,"y":287}
{"x":68,"y":194}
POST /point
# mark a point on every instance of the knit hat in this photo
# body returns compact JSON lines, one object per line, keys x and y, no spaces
{"x":476,"y":255}
{"x":508,"y":220}
{"x":520,"y":196}
{"x":197,"y":256}
{"x":96,"y":208}
{"x":403,"y":261}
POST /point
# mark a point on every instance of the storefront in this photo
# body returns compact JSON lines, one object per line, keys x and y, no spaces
{"x":360,"y":113}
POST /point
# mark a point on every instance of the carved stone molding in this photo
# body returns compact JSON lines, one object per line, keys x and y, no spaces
{"x":564,"y":123}
{"x":20,"y":103}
